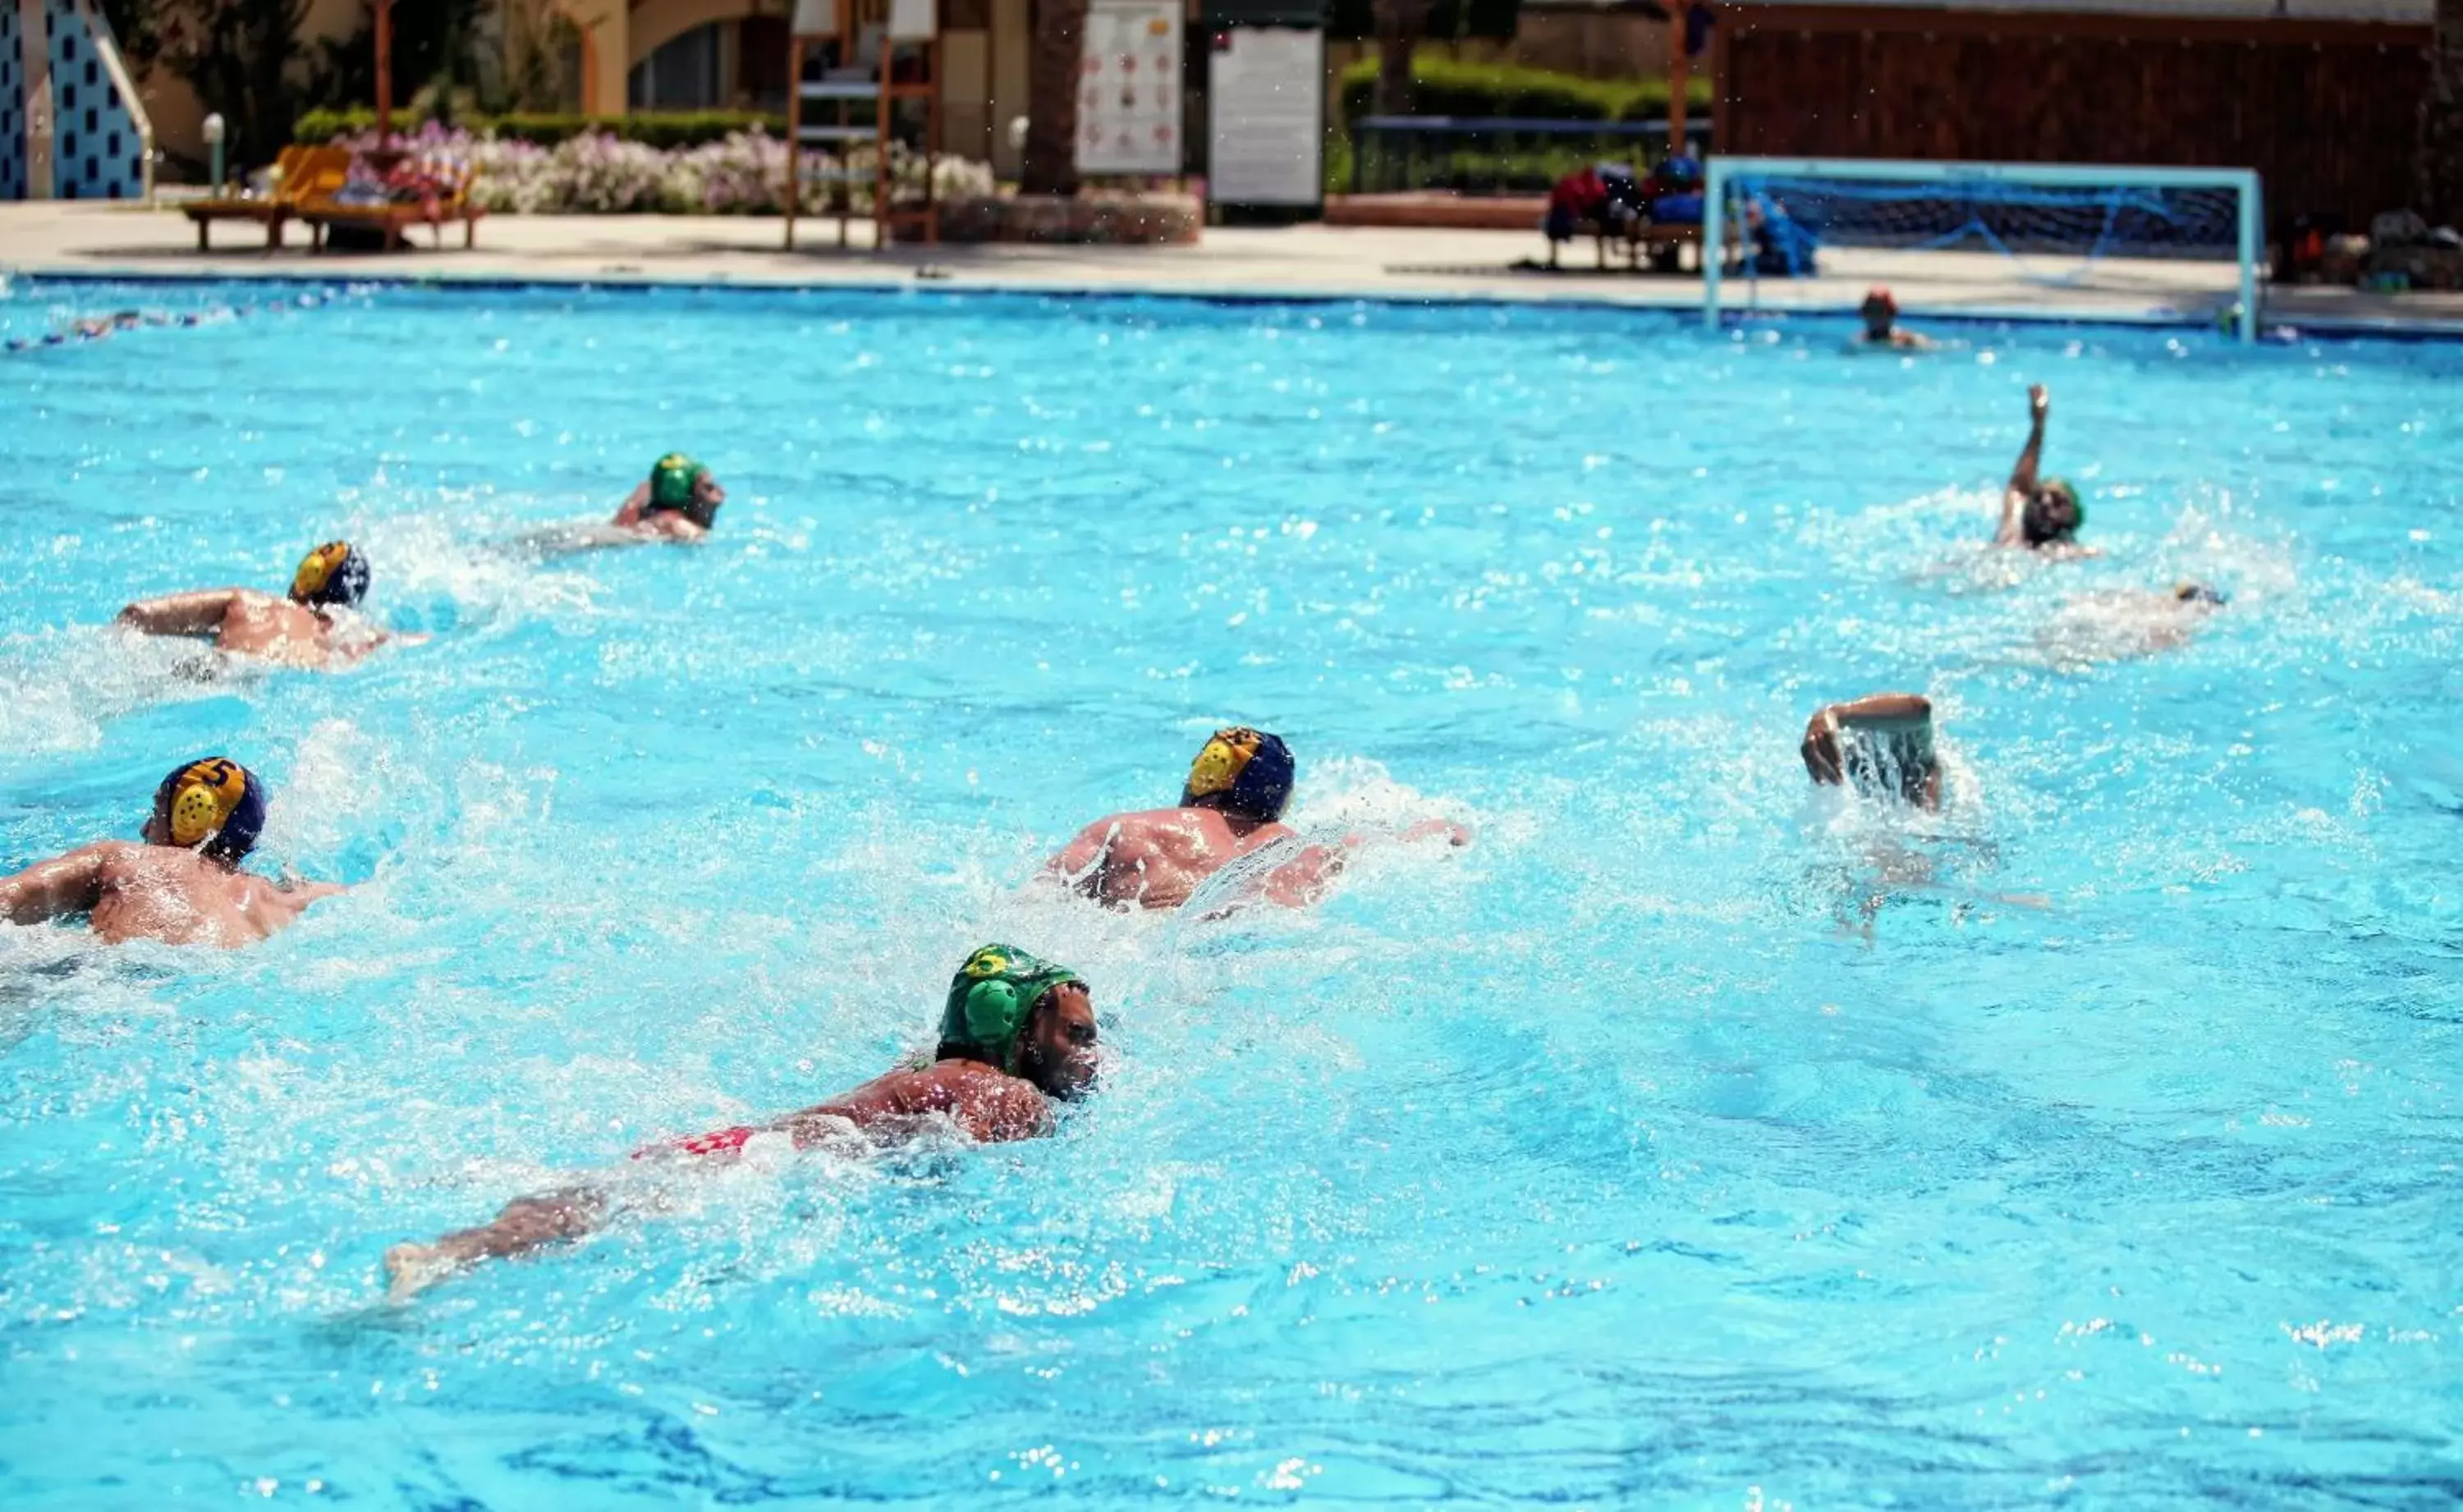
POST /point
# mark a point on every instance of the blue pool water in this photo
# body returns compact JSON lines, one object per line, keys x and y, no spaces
{"x":1693,"y":1140}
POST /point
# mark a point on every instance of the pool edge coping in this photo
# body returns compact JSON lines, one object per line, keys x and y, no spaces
{"x":2427,"y":329}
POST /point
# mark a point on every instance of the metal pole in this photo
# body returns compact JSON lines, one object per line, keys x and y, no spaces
{"x":385,"y":73}
{"x":1678,"y":65}
{"x":794,"y":131}
{"x":1715,"y":233}
{"x":2250,"y":248}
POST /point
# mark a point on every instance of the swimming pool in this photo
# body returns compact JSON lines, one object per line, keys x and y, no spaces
{"x":1659,"y":1150}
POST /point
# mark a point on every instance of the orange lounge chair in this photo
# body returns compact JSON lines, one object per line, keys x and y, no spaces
{"x":395,"y":219}
{"x":301,"y":173}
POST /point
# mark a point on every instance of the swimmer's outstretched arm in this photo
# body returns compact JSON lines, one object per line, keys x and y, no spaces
{"x":2021,"y":486}
{"x":526,"y":1223}
{"x":63,"y":885}
{"x":197,"y":614}
{"x":630,"y":512}
{"x":1306,"y":878}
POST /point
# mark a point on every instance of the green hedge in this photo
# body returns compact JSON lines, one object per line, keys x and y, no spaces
{"x":1446,"y":87}
{"x":663,"y":129}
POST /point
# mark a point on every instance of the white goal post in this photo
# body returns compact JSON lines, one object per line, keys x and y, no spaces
{"x":2081,"y":211}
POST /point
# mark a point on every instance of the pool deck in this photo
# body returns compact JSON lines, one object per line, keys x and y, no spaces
{"x":1301,"y":260}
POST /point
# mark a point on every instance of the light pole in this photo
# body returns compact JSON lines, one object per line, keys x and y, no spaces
{"x":214,"y":139}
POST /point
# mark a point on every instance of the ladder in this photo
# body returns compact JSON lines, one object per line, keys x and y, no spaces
{"x":876,"y":56}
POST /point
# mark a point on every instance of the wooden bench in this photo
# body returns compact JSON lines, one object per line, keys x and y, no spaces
{"x":300,"y":173}
{"x":395,"y":219}
{"x":1662,"y":243}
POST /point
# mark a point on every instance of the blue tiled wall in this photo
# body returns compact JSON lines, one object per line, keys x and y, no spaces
{"x":96,"y":153}
{"x":13,"y":106}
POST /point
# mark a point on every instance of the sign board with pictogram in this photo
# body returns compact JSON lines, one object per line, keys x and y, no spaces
{"x":1128,"y":91}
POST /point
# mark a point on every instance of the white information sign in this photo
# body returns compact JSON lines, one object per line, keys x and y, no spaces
{"x":1266,"y":102}
{"x":1128,"y":93}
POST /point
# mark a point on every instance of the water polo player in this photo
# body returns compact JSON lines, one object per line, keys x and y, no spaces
{"x":183,"y":884}
{"x":2042,"y":514}
{"x":1880,"y":312}
{"x":1230,"y":807}
{"x":1017,"y":1035}
{"x":315,"y":625}
{"x":677,"y":502}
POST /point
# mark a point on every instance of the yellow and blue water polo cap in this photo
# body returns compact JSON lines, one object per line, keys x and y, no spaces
{"x":334,"y":574}
{"x":1248,"y":772}
{"x":216,"y":803}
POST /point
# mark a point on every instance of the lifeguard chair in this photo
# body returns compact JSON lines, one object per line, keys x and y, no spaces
{"x":864,"y":73}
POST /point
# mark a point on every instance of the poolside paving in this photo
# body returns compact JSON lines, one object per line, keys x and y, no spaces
{"x":1302,"y":260}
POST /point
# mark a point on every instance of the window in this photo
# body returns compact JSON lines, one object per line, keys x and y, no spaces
{"x":686,"y":73}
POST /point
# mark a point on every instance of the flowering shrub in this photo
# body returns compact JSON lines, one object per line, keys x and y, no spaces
{"x":595,"y":173}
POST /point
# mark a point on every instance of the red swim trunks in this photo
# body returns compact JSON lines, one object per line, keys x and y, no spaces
{"x":725,"y":1141}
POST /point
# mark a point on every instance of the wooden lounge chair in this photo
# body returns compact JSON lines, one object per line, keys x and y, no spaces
{"x":395,"y":219}
{"x":300,"y":173}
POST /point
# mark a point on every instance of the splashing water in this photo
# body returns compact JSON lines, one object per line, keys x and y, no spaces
{"x":1695,"y":1138}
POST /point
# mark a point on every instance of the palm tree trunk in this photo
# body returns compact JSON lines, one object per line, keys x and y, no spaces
{"x":2438,"y":170}
{"x":1400,"y":26}
{"x":1054,"y":76}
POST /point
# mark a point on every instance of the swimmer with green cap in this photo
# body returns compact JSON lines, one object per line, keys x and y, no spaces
{"x":317,"y":624}
{"x":677,"y":502}
{"x":1230,"y":807}
{"x":2042,"y":514}
{"x":1017,"y":1035}
{"x":182,"y":885}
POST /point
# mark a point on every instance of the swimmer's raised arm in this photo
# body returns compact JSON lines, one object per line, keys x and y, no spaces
{"x":65,"y":884}
{"x":630,"y":512}
{"x":197,"y":614}
{"x":1820,"y":746}
{"x":2021,"y":486}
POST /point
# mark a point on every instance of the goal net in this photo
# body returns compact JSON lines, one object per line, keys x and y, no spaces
{"x":2077,"y":234}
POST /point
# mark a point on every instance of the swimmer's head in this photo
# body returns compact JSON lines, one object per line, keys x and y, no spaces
{"x":332,"y":575}
{"x":2199,"y":594}
{"x":2054,"y":513}
{"x":1026,"y":1016}
{"x":1243,"y":772}
{"x":679,"y":482}
{"x":216,"y":803}
{"x":1879,"y":309}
